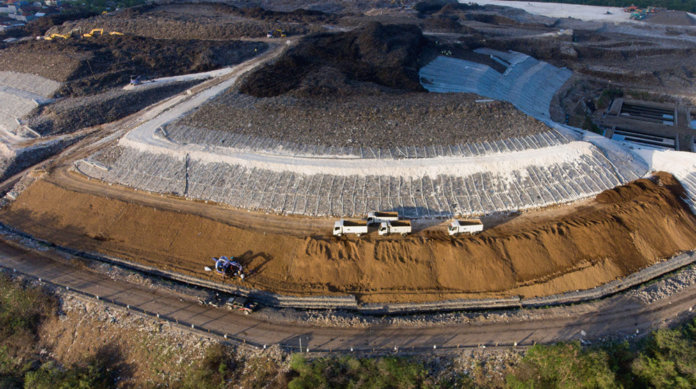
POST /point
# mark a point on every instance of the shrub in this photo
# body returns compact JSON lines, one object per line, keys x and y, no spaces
{"x":50,"y":376}
{"x":22,"y":309}
{"x":211,"y":371}
{"x":349,"y":372}
{"x":668,"y":359}
{"x":563,"y":365}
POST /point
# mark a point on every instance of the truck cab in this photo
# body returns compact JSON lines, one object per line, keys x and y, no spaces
{"x":470,"y":226}
{"x":356,"y":227}
{"x":402,"y":227}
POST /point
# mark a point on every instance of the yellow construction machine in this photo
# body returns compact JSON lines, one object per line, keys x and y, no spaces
{"x":94,"y":31}
{"x":52,"y":36}
{"x":277,"y":33}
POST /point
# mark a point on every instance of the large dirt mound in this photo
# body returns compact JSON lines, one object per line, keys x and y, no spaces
{"x":538,"y":253}
{"x":92,"y":65}
{"x":386,"y":55}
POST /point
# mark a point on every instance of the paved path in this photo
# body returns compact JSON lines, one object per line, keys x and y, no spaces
{"x":617,"y":315}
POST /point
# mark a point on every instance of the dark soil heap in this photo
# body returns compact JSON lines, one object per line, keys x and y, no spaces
{"x":329,"y":64}
{"x":92,"y":65}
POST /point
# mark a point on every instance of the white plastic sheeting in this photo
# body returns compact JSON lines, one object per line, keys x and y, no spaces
{"x":529,"y":84}
{"x":31,"y":83}
{"x":19,"y":94}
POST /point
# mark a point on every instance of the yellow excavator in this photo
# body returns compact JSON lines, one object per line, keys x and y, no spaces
{"x":277,"y":33}
{"x":94,"y":31}
{"x":115,"y":33}
{"x":52,"y":36}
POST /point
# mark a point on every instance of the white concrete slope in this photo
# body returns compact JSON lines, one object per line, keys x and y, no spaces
{"x":527,"y":83}
{"x":681,"y":164}
{"x":562,"y":10}
{"x":326,"y":185}
{"x":20,"y":93}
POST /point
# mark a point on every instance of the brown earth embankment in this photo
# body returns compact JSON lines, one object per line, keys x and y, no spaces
{"x":538,"y":253}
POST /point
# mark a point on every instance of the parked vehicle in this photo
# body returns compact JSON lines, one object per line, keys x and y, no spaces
{"x":242,"y":304}
{"x":402,"y":227}
{"x":379,"y":217}
{"x":227,"y":267}
{"x":357,"y":227}
{"x":470,"y":226}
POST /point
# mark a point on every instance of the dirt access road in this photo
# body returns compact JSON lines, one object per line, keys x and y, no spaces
{"x":616,"y":316}
{"x":159,"y":113}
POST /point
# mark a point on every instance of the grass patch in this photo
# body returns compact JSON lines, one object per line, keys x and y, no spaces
{"x":350,"y":372}
{"x":665,"y":359}
{"x":22,"y":310}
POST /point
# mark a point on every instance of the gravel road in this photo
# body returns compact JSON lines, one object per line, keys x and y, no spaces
{"x":620,"y":316}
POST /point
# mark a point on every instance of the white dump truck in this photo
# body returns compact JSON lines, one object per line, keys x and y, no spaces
{"x":357,"y":227}
{"x":470,"y":226}
{"x":402,"y":227}
{"x":379,"y":217}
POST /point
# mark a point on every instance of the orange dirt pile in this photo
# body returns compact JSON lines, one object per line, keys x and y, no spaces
{"x":538,"y":253}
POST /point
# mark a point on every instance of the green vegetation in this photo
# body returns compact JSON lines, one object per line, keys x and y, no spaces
{"x":542,"y":367}
{"x":607,"y":96}
{"x":23,"y":309}
{"x":51,"y":376}
{"x":666,"y":359}
{"x":211,"y":372}
{"x":349,"y":372}
{"x":681,"y":5}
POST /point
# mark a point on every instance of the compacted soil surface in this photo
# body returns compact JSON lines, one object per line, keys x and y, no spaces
{"x":541,"y":252}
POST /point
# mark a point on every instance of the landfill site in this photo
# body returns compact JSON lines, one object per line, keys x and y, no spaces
{"x":387,"y":152}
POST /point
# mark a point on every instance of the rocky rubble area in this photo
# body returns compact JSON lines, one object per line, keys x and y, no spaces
{"x":667,"y":285}
{"x":384,"y":120}
{"x":73,"y":113}
{"x":92,"y":65}
{"x":202,"y":21}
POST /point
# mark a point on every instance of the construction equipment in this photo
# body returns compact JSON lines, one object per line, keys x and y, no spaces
{"x":469,"y":226}
{"x":640,"y":15}
{"x":357,"y":227}
{"x":115,"y":33}
{"x":241,"y":304}
{"x":53,"y":36}
{"x":402,"y":227}
{"x":94,"y":31}
{"x":136,"y":80}
{"x":227,"y":267}
{"x":277,"y":33}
